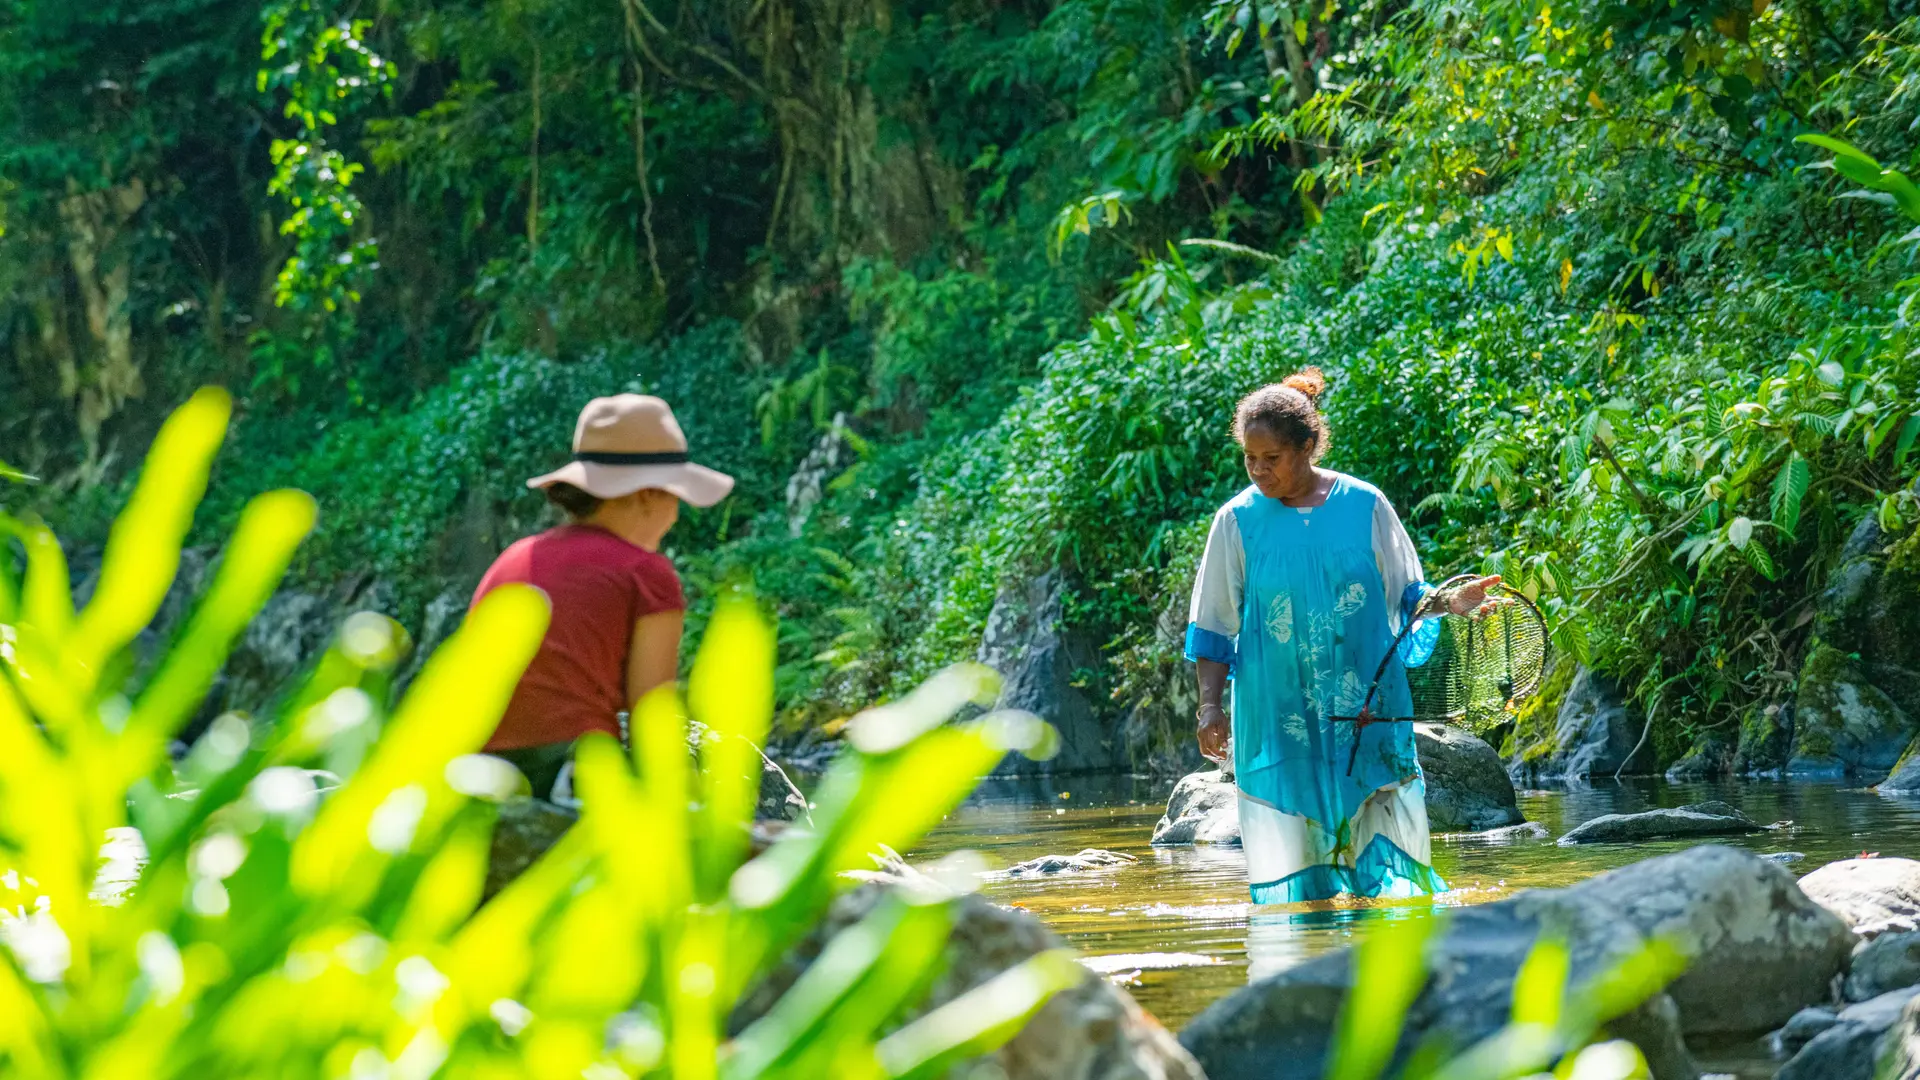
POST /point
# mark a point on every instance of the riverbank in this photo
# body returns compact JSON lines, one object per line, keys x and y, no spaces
{"x":1187,"y":906}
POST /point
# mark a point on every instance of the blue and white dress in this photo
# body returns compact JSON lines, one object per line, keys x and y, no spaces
{"x":1301,"y":603}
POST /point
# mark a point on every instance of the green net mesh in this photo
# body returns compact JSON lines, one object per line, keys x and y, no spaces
{"x":1482,"y":663}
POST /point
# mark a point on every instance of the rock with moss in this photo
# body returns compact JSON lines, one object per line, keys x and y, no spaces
{"x":1858,"y":696}
{"x":1709,"y":758}
{"x":1845,"y":724}
{"x":1598,"y":732}
{"x":1766,"y":740}
{"x":1467,"y":788}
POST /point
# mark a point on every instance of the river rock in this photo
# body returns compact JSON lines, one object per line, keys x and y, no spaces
{"x":1872,"y":896}
{"x":1204,"y":809}
{"x":1709,"y":758}
{"x":523,"y":832}
{"x":1087,"y":860}
{"x":1766,"y":740}
{"x":1905,"y":779}
{"x":1468,"y":789}
{"x":1757,"y":951}
{"x":1512,"y":834}
{"x":1597,"y":733}
{"x":1282,"y":1027}
{"x":1847,"y":1049}
{"x":1802,"y":1029}
{"x":1027,"y":640}
{"x":1898,"y":1055}
{"x":780,"y":799}
{"x":1092,"y":1031}
{"x":1699,"y":819}
{"x":1758,"y":948}
{"x":1858,"y":694}
{"x":1888,"y":962}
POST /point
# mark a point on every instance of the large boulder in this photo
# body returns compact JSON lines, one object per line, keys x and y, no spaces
{"x":1468,"y":789}
{"x":1282,"y":1027}
{"x":1872,"y":896}
{"x":1038,"y":656}
{"x":1597,"y":733}
{"x":1204,"y":809}
{"x":1757,"y":951}
{"x":1092,"y":1031}
{"x":1849,"y":1047}
{"x":1700,"y":819}
{"x":1858,"y":696}
{"x":1766,"y":740}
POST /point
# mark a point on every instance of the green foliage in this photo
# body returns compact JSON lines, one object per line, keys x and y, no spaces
{"x":249,"y":922}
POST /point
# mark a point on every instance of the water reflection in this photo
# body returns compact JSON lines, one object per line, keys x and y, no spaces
{"x":1194,"y":900}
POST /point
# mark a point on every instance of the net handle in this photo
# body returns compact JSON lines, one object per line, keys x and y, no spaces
{"x":1399,"y":639}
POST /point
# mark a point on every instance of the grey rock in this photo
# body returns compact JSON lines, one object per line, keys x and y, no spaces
{"x":1028,"y":642}
{"x":1844,"y":723}
{"x":1888,"y":962}
{"x":1784,"y":857}
{"x":1905,"y":779}
{"x":1204,"y":809}
{"x":1091,"y":1031}
{"x":1282,"y":1027}
{"x":526,"y":828}
{"x":1766,"y":740}
{"x":832,"y":452}
{"x":1872,"y":896}
{"x":1702,"y":819}
{"x":1596,"y":733}
{"x":1512,"y":834}
{"x":779,"y":800}
{"x":1758,"y":949}
{"x":1898,"y":1055}
{"x":1709,"y":758}
{"x":1086,"y":860}
{"x":1847,"y":1049}
{"x":1468,"y":788}
{"x":1801,"y":1030}
{"x":1757,"y":952}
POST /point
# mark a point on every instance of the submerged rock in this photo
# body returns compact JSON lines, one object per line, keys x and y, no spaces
{"x":1087,"y":859}
{"x":1847,"y":1048}
{"x":1468,"y":788}
{"x":1699,"y":819}
{"x":1872,"y":896}
{"x":1204,"y":809}
{"x":1526,"y":830}
{"x":1092,"y":1031}
{"x":1757,"y":952}
{"x":1596,"y":733}
{"x":1888,"y":962}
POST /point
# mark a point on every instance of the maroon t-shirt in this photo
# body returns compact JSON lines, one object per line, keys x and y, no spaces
{"x":599,"y":586}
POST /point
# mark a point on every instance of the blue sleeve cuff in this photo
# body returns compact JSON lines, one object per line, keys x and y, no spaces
{"x":1418,"y":646}
{"x":1207,"y":645}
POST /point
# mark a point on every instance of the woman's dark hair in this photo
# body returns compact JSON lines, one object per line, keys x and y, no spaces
{"x":575,"y":503}
{"x":1288,"y":411}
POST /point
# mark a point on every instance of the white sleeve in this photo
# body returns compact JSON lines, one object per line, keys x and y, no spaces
{"x":1214,"y":617}
{"x":1399,"y":563}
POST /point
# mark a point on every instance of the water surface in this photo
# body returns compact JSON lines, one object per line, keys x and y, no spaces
{"x":1193,"y":900}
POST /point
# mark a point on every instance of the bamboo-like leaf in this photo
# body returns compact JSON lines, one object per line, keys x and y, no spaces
{"x":1789,"y":489}
{"x":979,"y":1019}
{"x":1389,"y":969}
{"x":731,"y":692}
{"x":1540,"y":986}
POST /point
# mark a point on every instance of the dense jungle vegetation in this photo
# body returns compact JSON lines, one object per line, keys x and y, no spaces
{"x":1598,"y":317}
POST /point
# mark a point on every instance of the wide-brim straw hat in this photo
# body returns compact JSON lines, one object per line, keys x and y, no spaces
{"x":631,"y":442}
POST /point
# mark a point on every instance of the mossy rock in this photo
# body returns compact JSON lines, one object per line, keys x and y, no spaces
{"x":1766,"y":740}
{"x":1844,"y":724}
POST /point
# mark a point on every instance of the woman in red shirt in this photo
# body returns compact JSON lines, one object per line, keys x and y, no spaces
{"x":617,"y":603}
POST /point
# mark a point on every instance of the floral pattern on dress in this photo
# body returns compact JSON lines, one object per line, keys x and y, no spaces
{"x":1280,"y":618}
{"x":1351,"y":600}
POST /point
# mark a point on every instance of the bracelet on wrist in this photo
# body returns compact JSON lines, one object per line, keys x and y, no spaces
{"x":1200,"y":714}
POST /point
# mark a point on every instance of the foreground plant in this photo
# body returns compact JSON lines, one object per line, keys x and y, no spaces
{"x":260,"y":921}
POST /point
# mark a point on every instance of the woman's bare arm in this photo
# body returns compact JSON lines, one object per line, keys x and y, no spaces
{"x":1214,"y":729}
{"x":654,"y":656}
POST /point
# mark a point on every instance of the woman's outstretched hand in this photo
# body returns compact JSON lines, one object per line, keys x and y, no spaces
{"x":1469,"y":597}
{"x":1213,"y":732}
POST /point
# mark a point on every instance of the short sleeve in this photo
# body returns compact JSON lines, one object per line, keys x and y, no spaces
{"x":656,"y":587}
{"x":1213,"y":619}
{"x":1404,"y":579}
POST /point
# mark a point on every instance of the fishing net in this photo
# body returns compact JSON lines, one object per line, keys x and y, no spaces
{"x":1479,"y":665}
{"x":1482,"y":664}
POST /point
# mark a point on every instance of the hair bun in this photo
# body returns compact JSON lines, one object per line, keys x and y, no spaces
{"x":1308,"y":381}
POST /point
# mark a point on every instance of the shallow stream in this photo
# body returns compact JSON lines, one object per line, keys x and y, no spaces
{"x":1180,"y":916}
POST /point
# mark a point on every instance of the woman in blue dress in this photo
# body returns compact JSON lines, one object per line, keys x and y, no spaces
{"x":1307,"y":577}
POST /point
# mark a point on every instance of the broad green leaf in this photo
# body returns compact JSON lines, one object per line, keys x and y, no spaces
{"x":1389,"y":970}
{"x":1739,"y":532}
{"x":1789,"y":488}
{"x":731,"y":692}
{"x":1540,"y":986}
{"x":979,"y":1019}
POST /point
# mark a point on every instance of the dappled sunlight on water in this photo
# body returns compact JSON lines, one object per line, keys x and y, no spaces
{"x":1179,"y":932}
